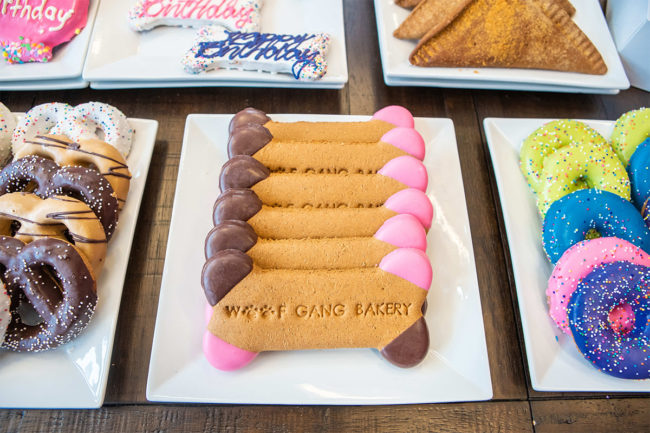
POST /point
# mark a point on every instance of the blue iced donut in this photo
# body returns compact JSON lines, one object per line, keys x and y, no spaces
{"x":570,"y":218}
{"x":639,"y":172}
{"x":620,"y":351}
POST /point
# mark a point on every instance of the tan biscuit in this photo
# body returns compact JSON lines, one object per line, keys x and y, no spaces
{"x":88,"y":153}
{"x":407,"y":3}
{"x":326,"y":253}
{"x":312,"y":309}
{"x":326,"y":157}
{"x":512,"y":34}
{"x":299,"y":223}
{"x":326,"y":190}
{"x":370,"y":131}
{"x":430,"y":16}
{"x":59,"y":217}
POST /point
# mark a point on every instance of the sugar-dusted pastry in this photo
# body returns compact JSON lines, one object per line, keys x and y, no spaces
{"x":301,"y":55}
{"x":30,"y":29}
{"x":429,"y":16}
{"x":537,"y":34}
{"x":235,"y":15}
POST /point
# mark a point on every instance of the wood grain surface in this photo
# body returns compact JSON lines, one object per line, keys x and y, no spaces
{"x":516,"y":406}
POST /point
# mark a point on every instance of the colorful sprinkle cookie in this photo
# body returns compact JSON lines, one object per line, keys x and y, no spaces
{"x":7,"y":126}
{"x":301,"y":55}
{"x":638,"y":170}
{"x":30,"y":29}
{"x":619,"y":349}
{"x":631,"y":129}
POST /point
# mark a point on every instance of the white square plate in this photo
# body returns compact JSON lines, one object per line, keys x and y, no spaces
{"x":589,"y":17}
{"x":456,"y":368}
{"x":118,"y":53}
{"x":67,"y":62}
{"x":74,"y":375}
{"x":554,"y":361}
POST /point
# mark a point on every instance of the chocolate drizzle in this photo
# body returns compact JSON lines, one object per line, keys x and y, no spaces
{"x":236,"y":204}
{"x":248,"y":139}
{"x":222,"y":272}
{"x":410,"y":347}
{"x":242,"y":171}
{"x":232,"y":234}
{"x":247,"y":116}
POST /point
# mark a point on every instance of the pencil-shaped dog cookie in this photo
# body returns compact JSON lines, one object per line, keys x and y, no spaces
{"x":258,"y":310}
{"x":324,"y":190}
{"x":400,"y":231}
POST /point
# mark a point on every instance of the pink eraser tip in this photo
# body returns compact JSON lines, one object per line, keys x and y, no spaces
{"x":408,"y":170}
{"x":410,"y":264}
{"x":395,"y":114}
{"x":406,"y":139}
{"x":412,"y":201}
{"x":403,"y":231}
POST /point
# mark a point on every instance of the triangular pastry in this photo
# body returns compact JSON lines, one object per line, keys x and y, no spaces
{"x":430,"y":16}
{"x":537,"y":34}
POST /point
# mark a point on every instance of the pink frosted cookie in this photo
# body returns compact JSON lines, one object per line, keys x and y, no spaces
{"x":30,"y":29}
{"x":243,"y":15}
{"x":577,"y":262}
{"x":302,"y":55}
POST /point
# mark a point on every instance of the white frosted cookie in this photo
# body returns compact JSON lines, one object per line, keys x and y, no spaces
{"x":7,"y":126}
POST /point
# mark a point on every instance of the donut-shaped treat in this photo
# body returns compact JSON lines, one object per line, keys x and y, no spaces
{"x":549,"y":138}
{"x":28,"y":217}
{"x":5,"y":316}
{"x":91,"y":153}
{"x":99,"y":121}
{"x":37,"y":121}
{"x":64,"y":299}
{"x":576,"y":263}
{"x":630,"y":130}
{"x":570,"y":219}
{"x":7,"y":126}
{"x":594,"y":310}
{"x":638,"y":170}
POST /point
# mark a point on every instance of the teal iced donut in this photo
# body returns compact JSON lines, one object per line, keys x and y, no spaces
{"x":629,"y":131}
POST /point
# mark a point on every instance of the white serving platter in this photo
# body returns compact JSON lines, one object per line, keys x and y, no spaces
{"x":589,"y":17}
{"x":554,"y":362}
{"x":119,"y":54}
{"x":455,"y":369}
{"x":74,"y":375}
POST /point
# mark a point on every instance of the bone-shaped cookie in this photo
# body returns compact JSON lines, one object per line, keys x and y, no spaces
{"x":234,"y":15}
{"x":302,"y":55}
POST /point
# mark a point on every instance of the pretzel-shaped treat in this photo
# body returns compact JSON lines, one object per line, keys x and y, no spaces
{"x":55,"y":279}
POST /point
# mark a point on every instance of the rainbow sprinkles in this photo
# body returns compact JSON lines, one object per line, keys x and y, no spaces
{"x":302,"y":55}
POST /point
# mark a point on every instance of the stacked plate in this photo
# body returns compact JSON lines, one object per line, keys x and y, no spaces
{"x":589,"y":17}
{"x":62,"y":72}
{"x":120,"y":57}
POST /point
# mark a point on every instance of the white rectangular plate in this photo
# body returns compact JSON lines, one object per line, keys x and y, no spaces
{"x":118,"y":53}
{"x":589,"y":17}
{"x":554,"y":361}
{"x":106,"y":85}
{"x":74,"y":375}
{"x":67,"y":61}
{"x":456,"y":368}
{"x":63,"y":84}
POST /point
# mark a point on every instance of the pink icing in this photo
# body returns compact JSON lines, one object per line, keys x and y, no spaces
{"x":406,"y":139}
{"x":412,"y":201}
{"x":403,"y":231}
{"x":621,"y":318}
{"x":577,"y":262}
{"x":221,"y":355}
{"x":408,"y":170}
{"x":410,"y":264}
{"x":395,"y":114}
{"x":29,"y":29}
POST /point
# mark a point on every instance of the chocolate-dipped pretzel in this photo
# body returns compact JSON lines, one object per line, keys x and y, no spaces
{"x":54,"y":278}
{"x":90,"y":152}
{"x":48,"y":179}
{"x":27,"y":217}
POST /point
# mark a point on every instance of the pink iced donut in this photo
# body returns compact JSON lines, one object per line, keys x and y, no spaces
{"x":5,"y":316}
{"x":577,"y":262}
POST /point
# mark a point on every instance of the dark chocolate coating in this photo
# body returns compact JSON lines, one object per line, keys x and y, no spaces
{"x":410,"y":347}
{"x":222,"y":272}
{"x":230,"y":235}
{"x":65,"y":306}
{"x":236,"y":204}
{"x":49,"y":179}
{"x":242,"y":171}
{"x":247,"y":116}
{"x":248,"y":139}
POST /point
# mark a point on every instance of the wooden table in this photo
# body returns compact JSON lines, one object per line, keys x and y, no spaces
{"x":515,"y":406}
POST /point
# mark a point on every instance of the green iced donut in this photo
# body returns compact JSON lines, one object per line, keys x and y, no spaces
{"x":581,"y":166}
{"x":549,"y":138}
{"x":630,"y":130}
